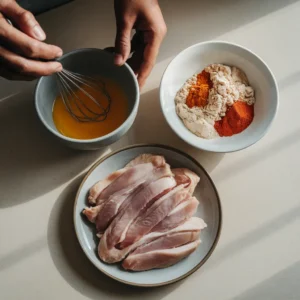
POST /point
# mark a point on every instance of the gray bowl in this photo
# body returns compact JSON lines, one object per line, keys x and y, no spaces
{"x":88,"y":62}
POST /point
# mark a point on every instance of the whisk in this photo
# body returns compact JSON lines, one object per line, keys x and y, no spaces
{"x":70,"y":82}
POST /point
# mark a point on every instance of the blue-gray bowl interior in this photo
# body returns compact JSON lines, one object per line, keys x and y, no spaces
{"x":91,"y":62}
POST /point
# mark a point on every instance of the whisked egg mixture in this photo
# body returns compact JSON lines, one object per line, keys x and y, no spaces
{"x":70,"y":127}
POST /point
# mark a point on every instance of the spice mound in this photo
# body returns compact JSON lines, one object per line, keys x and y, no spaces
{"x":218,"y":102}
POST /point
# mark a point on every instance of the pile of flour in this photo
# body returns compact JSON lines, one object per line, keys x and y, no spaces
{"x":229,"y":85}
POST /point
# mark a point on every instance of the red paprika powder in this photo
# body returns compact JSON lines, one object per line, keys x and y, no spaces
{"x":238,"y":117}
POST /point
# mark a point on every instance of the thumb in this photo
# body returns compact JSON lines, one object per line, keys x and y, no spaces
{"x":23,"y":19}
{"x":122,"y":44}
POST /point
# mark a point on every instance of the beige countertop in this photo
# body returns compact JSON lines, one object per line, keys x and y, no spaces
{"x":258,"y":253}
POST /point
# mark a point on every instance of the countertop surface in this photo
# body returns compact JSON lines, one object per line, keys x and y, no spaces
{"x":258,"y":255}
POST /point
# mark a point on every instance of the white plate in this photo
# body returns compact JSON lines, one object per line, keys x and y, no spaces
{"x":209,"y":209}
{"x":193,"y":60}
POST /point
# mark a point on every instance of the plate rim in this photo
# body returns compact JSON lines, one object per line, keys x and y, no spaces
{"x":216,"y":240}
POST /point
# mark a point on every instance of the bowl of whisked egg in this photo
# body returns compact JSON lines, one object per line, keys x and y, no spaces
{"x":91,"y":103}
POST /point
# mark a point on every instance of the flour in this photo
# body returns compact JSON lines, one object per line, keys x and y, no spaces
{"x":229,"y":85}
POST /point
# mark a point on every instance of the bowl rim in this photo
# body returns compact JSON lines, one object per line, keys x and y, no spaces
{"x":104,"y":137}
{"x":208,"y":148}
{"x":220,"y":226}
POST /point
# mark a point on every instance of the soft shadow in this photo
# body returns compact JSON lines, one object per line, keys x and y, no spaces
{"x":92,"y":24}
{"x":258,"y":156}
{"x":255,"y":236}
{"x":74,"y":266}
{"x":151,"y":127}
{"x":15,"y":256}
{"x":289,"y":81}
{"x":282,"y":286}
{"x":195,"y":21}
{"x":32,"y":161}
{"x":80,"y":24}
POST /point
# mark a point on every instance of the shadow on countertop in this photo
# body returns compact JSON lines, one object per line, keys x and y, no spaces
{"x":283,"y":285}
{"x":151,"y":127}
{"x":32,"y":161}
{"x":74,"y":266}
{"x":92,"y":23}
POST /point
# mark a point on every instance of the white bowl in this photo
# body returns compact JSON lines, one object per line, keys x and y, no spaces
{"x":193,"y":60}
{"x":91,"y":62}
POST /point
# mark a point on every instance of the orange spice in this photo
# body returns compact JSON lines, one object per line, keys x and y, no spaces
{"x":238,"y":117}
{"x":199,"y":93}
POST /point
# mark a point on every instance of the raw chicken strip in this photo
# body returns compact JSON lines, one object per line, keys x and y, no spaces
{"x":110,"y":209}
{"x":114,"y":255}
{"x":117,"y":230}
{"x":102,"y":186}
{"x":159,"y":258}
{"x":97,"y":188}
{"x":156,"y":160}
{"x":131,"y":177}
{"x":187,"y":177}
{"x":154,"y":214}
{"x":114,"y":204}
{"x":92,"y":212}
{"x":178,"y":215}
{"x":168,"y":242}
{"x":160,"y":209}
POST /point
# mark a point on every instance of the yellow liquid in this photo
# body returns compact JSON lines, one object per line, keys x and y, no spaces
{"x":72,"y":128}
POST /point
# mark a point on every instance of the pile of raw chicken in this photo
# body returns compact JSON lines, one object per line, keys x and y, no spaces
{"x":144,"y":214}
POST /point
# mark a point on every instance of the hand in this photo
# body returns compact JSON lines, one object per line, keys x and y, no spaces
{"x":144,"y":16}
{"x":21,"y":45}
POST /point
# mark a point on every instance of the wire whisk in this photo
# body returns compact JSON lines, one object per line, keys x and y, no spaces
{"x":75,"y":87}
{"x":70,"y":83}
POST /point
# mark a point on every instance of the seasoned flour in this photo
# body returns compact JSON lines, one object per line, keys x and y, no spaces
{"x":229,"y":85}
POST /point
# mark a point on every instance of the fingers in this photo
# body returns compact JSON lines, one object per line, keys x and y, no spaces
{"x":136,"y":59}
{"x":23,"y":19}
{"x":149,"y":58}
{"x":122,"y":43}
{"x":26,"y":45}
{"x":153,"y":40}
{"x":23,"y":44}
{"x":28,"y":67}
